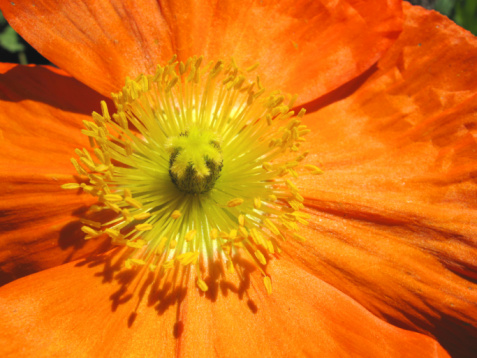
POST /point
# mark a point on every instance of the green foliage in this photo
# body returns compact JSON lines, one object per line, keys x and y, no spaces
{"x":445,"y":7}
{"x":2,"y":20}
{"x":465,"y":14}
{"x":10,"y":41}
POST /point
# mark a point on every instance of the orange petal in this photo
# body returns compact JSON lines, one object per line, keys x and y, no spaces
{"x":100,"y":43}
{"x":69,"y":311}
{"x":305,"y":47}
{"x":40,"y":119}
{"x":394,"y":216}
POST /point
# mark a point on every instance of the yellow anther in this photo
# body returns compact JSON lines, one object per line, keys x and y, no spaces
{"x":114,"y":234}
{"x":127,"y":193}
{"x":141,"y":216}
{"x":92,"y":223}
{"x":113,"y":198}
{"x":268,"y":284}
{"x":291,"y":186}
{"x":104,"y":109}
{"x":101,"y":168}
{"x":114,"y":207}
{"x":173,"y":244}
{"x":259,"y":93}
{"x":299,"y":237}
{"x":298,"y":197}
{"x":190,"y":235}
{"x":89,"y":163}
{"x":214,"y":233}
{"x":176,"y":214}
{"x":230,"y":266}
{"x":303,"y":132}
{"x":95,"y":208}
{"x":202,"y":285}
{"x":272,"y":198}
{"x":70,"y":186}
{"x":136,"y":244}
{"x":293,"y":172}
{"x":123,"y":122}
{"x":187,"y":258}
{"x":256,"y":236}
{"x":253,"y":67}
{"x":78,"y":168}
{"x":232,"y":234}
{"x":138,"y":262}
{"x":301,"y":214}
{"x":143,"y":227}
{"x":271,"y":226}
{"x":126,"y":215}
{"x":98,"y":118}
{"x":171,"y":84}
{"x":87,"y":188}
{"x":243,"y":232}
{"x":296,"y":205}
{"x":90,"y":231}
{"x":133,"y":202}
{"x":257,"y":203}
{"x":314,"y":169}
{"x":235,"y":202}
{"x":260,"y":257}
{"x":241,"y":219}
{"x":270,"y":247}
{"x":292,"y":100}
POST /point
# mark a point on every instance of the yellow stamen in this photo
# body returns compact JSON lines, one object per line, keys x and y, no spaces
{"x":235,"y":202}
{"x":185,"y":140}
{"x":190,"y":235}
{"x":144,"y":227}
{"x":176,"y":214}
{"x":268,"y":284}
{"x":202,"y":285}
{"x":142,"y":216}
{"x":70,"y":186}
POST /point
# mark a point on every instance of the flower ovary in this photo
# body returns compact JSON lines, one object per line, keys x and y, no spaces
{"x":195,"y":160}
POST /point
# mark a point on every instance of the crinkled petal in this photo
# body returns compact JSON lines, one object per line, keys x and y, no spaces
{"x":394,"y":217}
{"x":72,"y":310}
{"x":307,"y":47}
{"x":41,"y":109}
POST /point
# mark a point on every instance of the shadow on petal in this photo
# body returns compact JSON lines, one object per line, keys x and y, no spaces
{"x":164,"y":290}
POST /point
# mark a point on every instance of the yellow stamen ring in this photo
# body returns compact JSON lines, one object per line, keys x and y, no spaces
{"x":202,"y":174}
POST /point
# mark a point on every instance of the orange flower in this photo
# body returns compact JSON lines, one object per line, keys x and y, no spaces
{"x":388,"y":266}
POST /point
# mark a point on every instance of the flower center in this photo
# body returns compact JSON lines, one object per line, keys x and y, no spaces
{"x":198,"y":164}
{"x":195,"y":160}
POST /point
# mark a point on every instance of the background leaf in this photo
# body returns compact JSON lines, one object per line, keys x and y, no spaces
{"x":10,"y":40}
